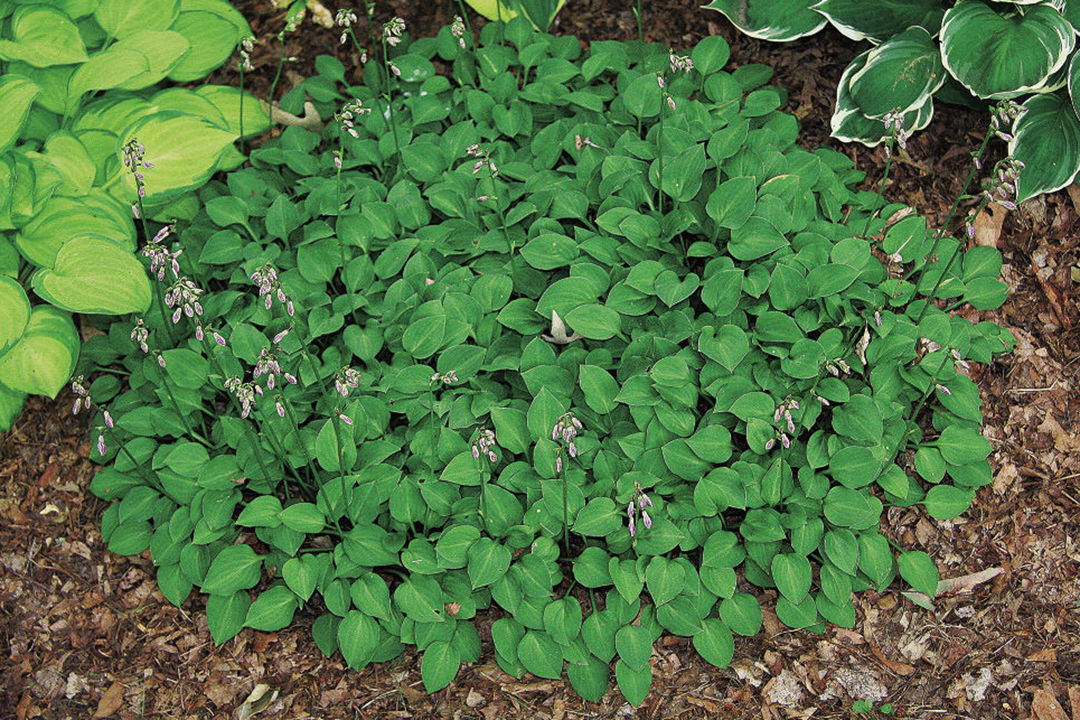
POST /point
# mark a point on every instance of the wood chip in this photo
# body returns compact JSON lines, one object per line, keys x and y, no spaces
{"x":110,"y":701}
{"x":898,"y":668}
{"x":1044,"y":655}
{"x":1074,"y":700}
{"x":1046,"y":707}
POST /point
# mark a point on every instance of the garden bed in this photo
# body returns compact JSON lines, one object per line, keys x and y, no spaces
{"x":90,"y":634}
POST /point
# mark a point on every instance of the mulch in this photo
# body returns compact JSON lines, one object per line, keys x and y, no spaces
{"x":88,"y":634}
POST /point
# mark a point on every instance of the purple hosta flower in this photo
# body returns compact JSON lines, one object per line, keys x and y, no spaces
{"x":347,"y":378}
{"x":566,"y":428}
{"x":1002,"y":116}
{"x":631,"y":515}
{"x":961,"y":363}
{"x":279,"y":407}
{"x":894,"y":127}
{"x":473,"y":150}
{"x":558,"y":461}
{"x":266,"y":278}
{"x":347,"y":117}
{"x":660,"y":80}
{"x":337,"y":159}
{"x":680,"y":62}
{"x":201,"y":330}
{"x":926,"y":345}
{"x":108,"y":419}
{"x":394,"y":68}
{"x":134,"y":160}
{"x":268,"y":365}
{"x":184,"y":296}
{"x":281,"y":335}
{"x":643,"y":500}
{"x":785,"y":441}
{"x":449,"y":377}
{"x":345,"y":18}
{"x":646,"y":520}
{"x":942,"y":389}
{"x":457,"y":29}
{"x":484,"y":161}
{"x":1001,"y":188}
{"x":101,"y":448}
{"x":160,"y":358}
{"x":783,"y":410}
{"x":485,"y":441}
{"x":135,"y":211}
{"x":392,"y":31}
{"x":770,"y":444}
{"x":160,"y":256}
{"x":246,"y":46}
{"x":139,"y":335}
{"x":245,"y":393}
{"x":82,"y":397}
{"x":823,"y":401}
{"x":344,"y":418}
{"x":671,"y":102}
{"x":484,"y":198}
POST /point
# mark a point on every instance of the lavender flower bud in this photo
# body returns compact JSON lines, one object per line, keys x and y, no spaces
{"x":646,"y":520}
{"x":101,"y":448}
{"x":108,"y":419}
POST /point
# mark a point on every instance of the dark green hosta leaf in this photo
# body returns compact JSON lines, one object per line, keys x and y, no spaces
{"x":960,"y":446}
{"x":488,"y":561}
{"x":236,"y":567}
{"x":599,"y":517}
{"x":882,"y":19}
{"x":710,"y":54}
{"x":357,"y":636}
{"x":595,"y":322}
{"x":919,"y":571}
{"x":562,"y":619}
{"x":774,"y":20}
{"x":876,"y":559}
{"x":589,"y":680}
{"x":664,"y":579}
{"x":225,"y":615}
{"x":944,"y":502}
{"x":540,"y":654}
{"x":792,"y":574}
{"x":439,"y":665}
{"x":741,"y":613}
{"x":1000,"y":53}
{"x":797,"y":615}
{"x":899,"y":75}
{"x":550,"y":251}
{"x":856,"y":509}
{"x":714,"y":642}
{"x":1046,"y":138}
{"x":272,"y":610}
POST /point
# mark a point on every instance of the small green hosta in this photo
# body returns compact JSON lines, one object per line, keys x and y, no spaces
{"x":66,"y":230}
{"x":966,"y":52}
{"x":583,"y":339}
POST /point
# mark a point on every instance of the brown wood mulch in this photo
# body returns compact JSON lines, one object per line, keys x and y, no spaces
{"x":85,"y":634}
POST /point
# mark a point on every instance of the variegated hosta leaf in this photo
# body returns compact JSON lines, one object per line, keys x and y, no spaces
{"x":1004,"y":54}
{"x":1046,"y":138}
{"x":42,"y":361}
{"x":1074,"y":83}
{"x":14,"y":313}
{"x":61,"y":218}
{"x":92,"y":274}
{"x":184,"y":150}
{"x":876,"y":21}
{"x":774,"y":20}
{"x":11,"y":402}
{"x":899,"y":75}
{"x":850,"y":124}
{"x":17,"y":93}
{"x":44,"y":37}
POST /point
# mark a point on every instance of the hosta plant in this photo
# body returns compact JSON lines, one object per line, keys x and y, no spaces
{"x":78,"y":82}
{"x":582,"y":338}
{"x":964,"y":52}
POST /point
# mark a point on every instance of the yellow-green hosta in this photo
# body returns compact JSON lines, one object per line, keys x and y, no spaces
{"x":507,"y":10}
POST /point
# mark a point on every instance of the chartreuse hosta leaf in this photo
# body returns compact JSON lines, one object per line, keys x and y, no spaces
{"x":1046,"y":138}
{"x":539,"y":12}
{"x":92,"y":274}
{"x":860,"y":20}
{"x":43,"y":36}
{"x":15,"y":315}
{"x":17,"y":93}
{"x":775,"y":20}
{"x":227,"y":100}
{"x":999,"y":53}
{"x":212,"y":39}
{"x":184,"y":150}
{"x":62,"y":218}
{"x":120,"y":18}
{"x":40,"y":363}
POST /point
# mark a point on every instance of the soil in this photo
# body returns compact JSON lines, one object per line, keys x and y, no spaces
{"x":89,"y":635}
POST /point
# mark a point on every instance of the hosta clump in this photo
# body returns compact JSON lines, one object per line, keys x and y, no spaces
{"x":469,"y":362}
{"x":964,"y":52}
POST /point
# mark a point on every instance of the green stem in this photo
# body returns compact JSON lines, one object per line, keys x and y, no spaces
{"x":336,"y":420}
{"x":881,"y":189}
{"x":179,"y":413}
{"x":241,"y":116}
{"x":273,"y":85}
{"x":390,"y":101}
{"x":640,"y":27}
{"x":565,"y":508}
{"x":499,"y":208}
{"x":660,"y":158}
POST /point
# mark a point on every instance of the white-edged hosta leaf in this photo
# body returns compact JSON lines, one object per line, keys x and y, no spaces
{"x":14,"y":313}
{"x":212,"y":39}
{"x":1074,"y":80}
{"x":43,"y":36}
{"x":899,"y":75}
{"x":849,"y":124}
{"x":17,"y":93}
{"x":42,"y":361}
{"x":227,"y":100}
{"x":184,"y":150}
{"x":119,"y":18}
{"x":876,"y":21}
{"x":1001,"y":54}
{"x":774,"y":20}
{"x":1046,"y":138}
{"x":92,"y":274}
{"x":61,"y":218}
